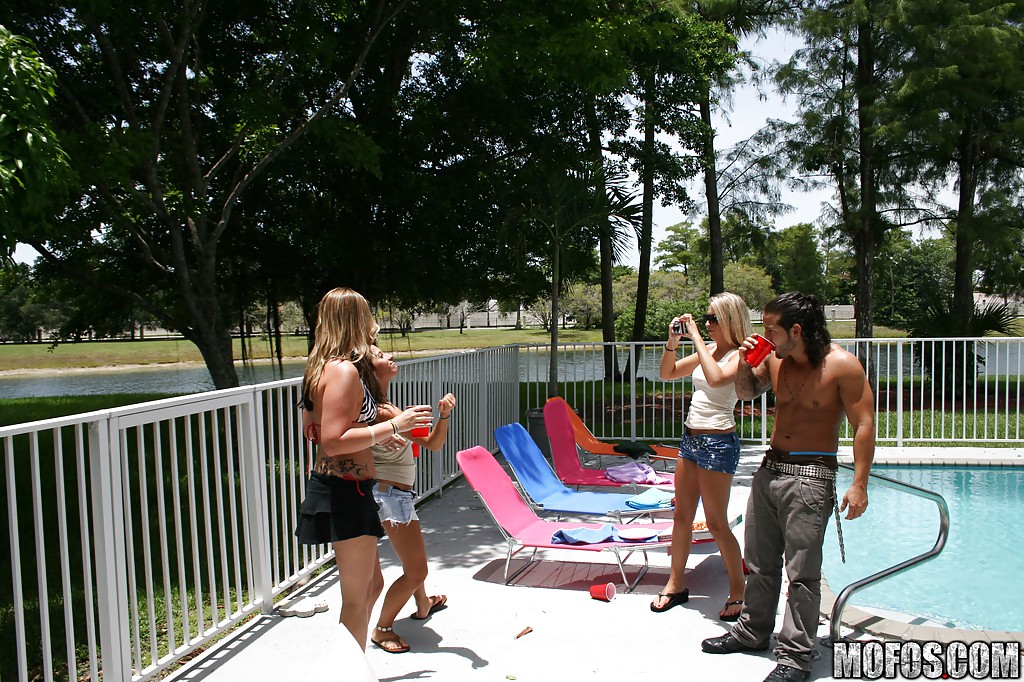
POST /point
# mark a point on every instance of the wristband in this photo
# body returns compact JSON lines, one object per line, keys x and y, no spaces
{"x":669,"y":350}
{"x":394,"y":426}
{"x":448,"y":417}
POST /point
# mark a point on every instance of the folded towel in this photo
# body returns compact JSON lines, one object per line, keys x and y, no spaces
{"x":652,"y":498}
{"x":585,"y":536}
{"x":634,"y":472}
{"x":606,"y":533}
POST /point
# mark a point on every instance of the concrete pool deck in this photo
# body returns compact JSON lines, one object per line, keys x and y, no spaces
{"x":572,"y":636}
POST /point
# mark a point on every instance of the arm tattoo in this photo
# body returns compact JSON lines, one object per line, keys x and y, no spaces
{"x":749,"y":384}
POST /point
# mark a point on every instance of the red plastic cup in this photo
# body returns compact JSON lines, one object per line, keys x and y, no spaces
{"x":603,"y":591}
{"x":419,"y":432}
{"x":756,"y":355}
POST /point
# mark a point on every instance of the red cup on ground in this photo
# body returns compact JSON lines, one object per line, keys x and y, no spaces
{"x":419,"y":432}
{"x":603,"y":591}
{"x":756,"y":355}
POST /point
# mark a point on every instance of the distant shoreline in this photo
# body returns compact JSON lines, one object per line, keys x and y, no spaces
{"x":99,"y":369}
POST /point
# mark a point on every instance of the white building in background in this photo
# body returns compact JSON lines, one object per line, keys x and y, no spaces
{"x":1016,"y":304}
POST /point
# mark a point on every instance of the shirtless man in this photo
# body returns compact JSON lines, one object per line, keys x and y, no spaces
{"x":815,"y":383}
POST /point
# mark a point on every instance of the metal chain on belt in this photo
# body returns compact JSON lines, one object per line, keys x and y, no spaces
{"x":839,"y":525}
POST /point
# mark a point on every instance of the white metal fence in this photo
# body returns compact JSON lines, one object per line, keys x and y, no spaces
{"x":926,"y":390}
{"x":135,"y":535}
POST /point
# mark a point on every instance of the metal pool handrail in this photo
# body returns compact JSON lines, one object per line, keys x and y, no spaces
{"x":940,"y":542}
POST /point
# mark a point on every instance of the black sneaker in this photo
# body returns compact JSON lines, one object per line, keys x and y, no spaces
{"x":727,"y":644}
{"x":787,"y":673}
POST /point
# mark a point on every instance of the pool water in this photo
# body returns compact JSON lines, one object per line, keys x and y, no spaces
{"x":972,"y":584}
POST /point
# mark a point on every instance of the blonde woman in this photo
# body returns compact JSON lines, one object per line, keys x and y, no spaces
{"x":396,"y":477}
{"x":338,"y":415}
{"x":709,"y":450}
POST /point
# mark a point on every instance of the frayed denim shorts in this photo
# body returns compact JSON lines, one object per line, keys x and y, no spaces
{"x":395,"y":505}
{"x":712,"y":451}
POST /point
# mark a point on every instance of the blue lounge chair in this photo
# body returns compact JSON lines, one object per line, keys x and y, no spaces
{"x":542,"y":486}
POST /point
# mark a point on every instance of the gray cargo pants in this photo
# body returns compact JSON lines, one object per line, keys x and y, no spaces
{"x":786,"y":518}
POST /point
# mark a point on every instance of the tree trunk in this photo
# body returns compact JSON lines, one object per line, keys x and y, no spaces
{"x":963,"y":280}
{"x":643,"y":281}
{"x":865,"y":239}
{"x":553,"y":357}
{"x":716,"y":264}
{"x":611,"y":361}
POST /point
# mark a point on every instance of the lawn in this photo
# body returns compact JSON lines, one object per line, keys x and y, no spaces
{"x":42,"y":356}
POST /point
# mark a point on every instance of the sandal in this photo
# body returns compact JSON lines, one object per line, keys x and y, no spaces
{"x":729,"y":616}
{"x":437,"y":603}
{"x":674,"y":599}
{"x":393,"y":644}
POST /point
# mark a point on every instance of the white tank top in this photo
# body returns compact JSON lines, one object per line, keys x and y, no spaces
{"x":711,"y":408}
{"x":398,"y":466}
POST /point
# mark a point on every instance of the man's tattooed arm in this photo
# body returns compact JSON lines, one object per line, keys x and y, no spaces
{"x":752,"y":381}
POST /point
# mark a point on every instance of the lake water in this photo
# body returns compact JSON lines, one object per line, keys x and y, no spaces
{"x":175,"y":379}
{"x":580,"y":364}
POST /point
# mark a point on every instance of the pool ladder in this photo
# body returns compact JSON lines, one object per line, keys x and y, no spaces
{"x":940,"y":542}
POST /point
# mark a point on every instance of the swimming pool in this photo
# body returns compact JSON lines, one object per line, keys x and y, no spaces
{"x":972,"y":583}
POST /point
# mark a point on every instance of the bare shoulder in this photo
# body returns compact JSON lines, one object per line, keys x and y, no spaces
{"x":340,"y":370}
{"x":843,"y":362}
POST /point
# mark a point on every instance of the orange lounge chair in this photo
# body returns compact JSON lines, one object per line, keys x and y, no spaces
{"x":586,"y":440}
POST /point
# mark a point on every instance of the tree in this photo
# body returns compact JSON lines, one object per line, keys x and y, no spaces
{"x":960,"y":103}
{"x":910,"y":273}
{"x":740,"y":19}
{"x":564,"y":217}
{"x":33,"y":165}
{"x":176,"y":113}
{"x":677,"y":251}
{"x":795,"y":259}
{"x":749,"y":282}
{"x":583,"y":302}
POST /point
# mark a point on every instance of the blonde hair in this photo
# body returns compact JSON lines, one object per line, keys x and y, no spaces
{"x":733,"y":316}
{"x":345,"y":329}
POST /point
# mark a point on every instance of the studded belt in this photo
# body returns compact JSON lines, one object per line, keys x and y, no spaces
{"x":807,"y":470}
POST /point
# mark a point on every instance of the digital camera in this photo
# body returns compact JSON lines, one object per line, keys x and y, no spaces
{"x":678,"y":328}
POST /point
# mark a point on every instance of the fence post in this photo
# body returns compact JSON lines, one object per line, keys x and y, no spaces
{"x":252,"y":463}
{"x":436,"y":388}
{"x":899,"y":392}
{"x":108,"y":518}
{"x":764,"y":418}
{"x":632,"y":391}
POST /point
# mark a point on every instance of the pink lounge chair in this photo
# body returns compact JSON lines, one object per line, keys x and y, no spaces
{"x":588,"y":442}
{"x":522,"y":528}
{"x":564,"y":453}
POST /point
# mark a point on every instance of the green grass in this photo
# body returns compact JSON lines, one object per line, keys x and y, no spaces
{"x":21,"y":410}
{"x":40,"y":356}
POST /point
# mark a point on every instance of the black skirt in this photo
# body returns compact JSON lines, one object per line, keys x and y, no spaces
{"x":337,"y":509}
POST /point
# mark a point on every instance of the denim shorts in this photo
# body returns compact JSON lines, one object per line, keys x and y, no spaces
{"x":712,"y":451}
{"x":395,"y":505}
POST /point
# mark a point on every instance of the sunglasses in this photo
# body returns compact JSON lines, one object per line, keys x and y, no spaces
{"x":711,"y":319}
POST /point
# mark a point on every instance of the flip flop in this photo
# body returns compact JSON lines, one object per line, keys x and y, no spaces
{"x":437,"y":603}
{"x":674,"y":599}
{"x":393,"y":644}
{"x":730,"y":617}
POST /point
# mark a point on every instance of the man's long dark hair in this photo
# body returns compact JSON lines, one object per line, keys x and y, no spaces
{"x":807,"y":311}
